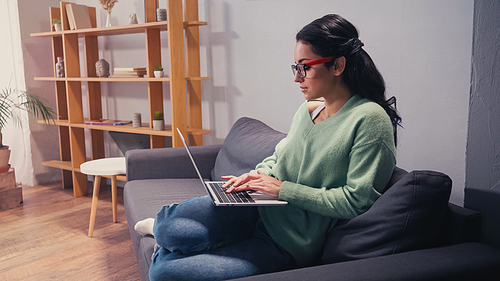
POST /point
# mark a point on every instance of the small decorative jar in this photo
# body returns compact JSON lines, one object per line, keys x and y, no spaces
{"x":136,"y":120}
{"x":161,"y":14}
{"x":60,"y":67}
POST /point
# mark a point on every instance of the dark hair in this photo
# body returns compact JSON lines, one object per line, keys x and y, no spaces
{"x":334,"y":36}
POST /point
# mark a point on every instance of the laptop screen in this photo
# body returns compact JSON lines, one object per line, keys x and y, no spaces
{"x":190,"y":156}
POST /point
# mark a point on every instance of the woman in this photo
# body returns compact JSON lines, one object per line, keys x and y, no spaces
{"x":334,"y":163}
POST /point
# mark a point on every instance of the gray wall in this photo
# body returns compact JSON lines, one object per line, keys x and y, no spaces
{"x":483,"y":141}
{"x":482,"y":184}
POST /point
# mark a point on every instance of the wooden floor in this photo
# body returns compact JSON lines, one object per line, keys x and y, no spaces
{"x":46,"y":238}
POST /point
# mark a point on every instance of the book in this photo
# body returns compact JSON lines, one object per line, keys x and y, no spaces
{"x":78,"y":16}
{"x":71,"y":18}
{"x":107,"y":122}
{"x":126,"y":76}
{"x":130,"y":69}
{"x":130,"y":72}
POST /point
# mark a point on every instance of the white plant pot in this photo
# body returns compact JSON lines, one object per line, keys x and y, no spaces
{"x":158,"y":125}
{"x":158,"y":74}
{"x":57,"y":27}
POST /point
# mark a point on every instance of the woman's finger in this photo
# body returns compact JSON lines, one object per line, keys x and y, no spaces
{"x":230,"y":179}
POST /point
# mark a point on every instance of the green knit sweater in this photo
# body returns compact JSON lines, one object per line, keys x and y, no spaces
{"x":335,"y":169}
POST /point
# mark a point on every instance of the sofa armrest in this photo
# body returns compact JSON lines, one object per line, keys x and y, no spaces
{"x":460,"y":225}
{"x":168,"y":163}
{"x":465,"y":261}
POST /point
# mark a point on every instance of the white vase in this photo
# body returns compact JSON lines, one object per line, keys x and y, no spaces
{"x":108,"y":20}
{"x":158,"y":125}
{"x":158,"y":74}
{"x":57,"y":27}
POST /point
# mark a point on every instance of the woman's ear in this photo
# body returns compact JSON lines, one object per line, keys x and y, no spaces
{"x":339,"y":66}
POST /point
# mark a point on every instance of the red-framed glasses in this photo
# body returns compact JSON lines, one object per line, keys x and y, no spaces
{"x":302,"y":67}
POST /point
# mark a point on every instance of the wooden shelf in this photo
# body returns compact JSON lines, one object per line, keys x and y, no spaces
{"x":116,"y":30}
{"x":66,"y":165}
{"x":128,"y":128}
{"x":115,"y":79}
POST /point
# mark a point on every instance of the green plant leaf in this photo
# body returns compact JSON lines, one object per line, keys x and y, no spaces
{"x":25,"y":101}
{"x":158,"y":115}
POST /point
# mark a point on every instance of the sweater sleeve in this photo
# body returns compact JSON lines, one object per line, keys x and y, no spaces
{"x":266,"y":166}
{"x":369,"y":170}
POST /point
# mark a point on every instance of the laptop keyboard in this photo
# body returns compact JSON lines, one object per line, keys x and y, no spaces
{"x":233,"y":197}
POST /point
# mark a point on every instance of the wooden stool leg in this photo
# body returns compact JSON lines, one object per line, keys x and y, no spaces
{"x":113,"y":198}
{"x":93,"y":209}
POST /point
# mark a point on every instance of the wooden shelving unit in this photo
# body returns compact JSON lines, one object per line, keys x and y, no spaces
{"x":182,"y":27}
{"x":111,"y":79}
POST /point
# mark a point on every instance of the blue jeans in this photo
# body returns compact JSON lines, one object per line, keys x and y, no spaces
{"x":198,"y":241}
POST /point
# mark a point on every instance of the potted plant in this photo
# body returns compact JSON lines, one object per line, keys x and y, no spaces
{"x":12,"y":101}
{"x":158,"y":72}
{"x":57,"y":24}
{"x":158,"y":123}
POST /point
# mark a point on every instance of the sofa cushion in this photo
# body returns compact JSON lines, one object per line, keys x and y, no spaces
{"x":397,"y":174}
{"x":249,"y":141}
{"x":408,"y":216}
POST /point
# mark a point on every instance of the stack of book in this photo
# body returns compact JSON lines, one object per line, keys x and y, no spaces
{"x":107,"y":122}
{"x":129,"y":72}
{"x":78,"y":16}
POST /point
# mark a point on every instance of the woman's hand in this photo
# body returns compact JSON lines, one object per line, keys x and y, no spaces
{"x":258,"y":182}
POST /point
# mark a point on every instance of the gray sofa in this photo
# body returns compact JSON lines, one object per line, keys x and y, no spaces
{"x":410,"y":233}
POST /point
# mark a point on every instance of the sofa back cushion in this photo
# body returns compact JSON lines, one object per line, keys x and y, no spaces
{"x":408,"y":216}
{"x":249,"y":141}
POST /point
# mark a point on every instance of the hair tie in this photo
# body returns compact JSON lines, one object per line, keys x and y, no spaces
{"x":356,"y":45}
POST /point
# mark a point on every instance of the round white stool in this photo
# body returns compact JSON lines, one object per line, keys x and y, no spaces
{"x":103,"y":167}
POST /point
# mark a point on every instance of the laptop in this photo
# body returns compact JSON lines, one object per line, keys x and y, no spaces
{"x":242,"y":198}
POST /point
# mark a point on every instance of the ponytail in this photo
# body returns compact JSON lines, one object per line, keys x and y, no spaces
{"x":363,"y":78}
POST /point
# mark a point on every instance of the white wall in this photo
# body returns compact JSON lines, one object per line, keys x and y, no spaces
{"x":21,"y":61}
{"x":11,"y":76}
{"x":422,"y":48}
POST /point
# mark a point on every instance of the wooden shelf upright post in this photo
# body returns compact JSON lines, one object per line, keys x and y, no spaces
{"x":177,"y":70}
{"x":193,"y":70}
{"x":150,"y":7}
{"x":93,"y":90}
{"x":155,"y":88}
{"x":75,"y":107}
{"x":62,"y":104}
